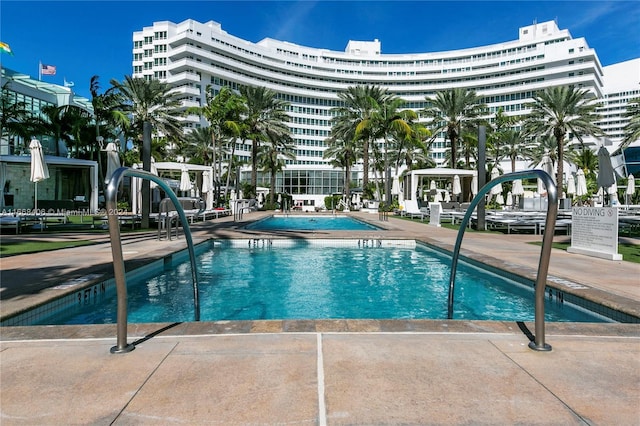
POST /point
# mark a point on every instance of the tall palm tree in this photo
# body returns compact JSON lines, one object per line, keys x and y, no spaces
{"x":390,"y":120}
{"x":632,"y":128}
{"x":272,"y":155}
{"x":223,"y":112}
{"x":501,"y":125}
{"x":343,"y":153}
{"x":355,"y":116}
{"x":515,"y":146}
{"x":152,"y":107}
{"x":61,"y":122}
{"x":559,"y":110}
{"x":451,"y":111}
{"x":265,"y":116}
{"x":412,"y":148}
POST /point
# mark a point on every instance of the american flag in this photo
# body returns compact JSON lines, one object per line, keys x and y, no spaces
{"x":48,"y":70}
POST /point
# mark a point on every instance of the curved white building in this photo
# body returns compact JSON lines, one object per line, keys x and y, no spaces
{"x":192,"y":55}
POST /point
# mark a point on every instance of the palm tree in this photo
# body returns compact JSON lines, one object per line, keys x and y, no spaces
{"x":515,"y":146}
{"x":412,"y":148}
{"x":265,"y":117}
{"x":223,"y":112}
{"x":272,"y":155}
{"x":343,"y":153}
{"x":356,"y":116}
{"x":450,"y":112}
{"x":152,"y":106}
{"x":63,"y":123}
{"x":632,"y":128}
{"x":584,"y":158}
{"x":502,"y":124}
{"x":559,"y":110}
{"x":390,"y":120}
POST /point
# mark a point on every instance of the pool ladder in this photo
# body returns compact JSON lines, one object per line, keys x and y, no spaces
{"x":116,"y":250}
{"x":538,"y":343}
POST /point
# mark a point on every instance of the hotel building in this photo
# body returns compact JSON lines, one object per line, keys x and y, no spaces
{"x":191,"y":56}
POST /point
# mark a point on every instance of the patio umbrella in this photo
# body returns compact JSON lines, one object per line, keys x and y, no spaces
{"x":500,"y":199}
{"x":606,"y":177}
{"x":39,"y":169}
{"x":207,"y":189}
{"x":474,"y":185}
{"x":631,"y":188}
{"x":185,"y":181}
{"x":153,"y":170}
{"x":457,"y":189}
{"x":571,"y":185}
{"x":581,"y":184}
{"x":517,"y":190}
{"x":437,"y":198}
{"x":547,"y":166}
{"x":113,"y":160}
{"x":447,"y":197}
{"x":395,"y":188}
{"x":495,"y":173}
{"x":432,"y":185}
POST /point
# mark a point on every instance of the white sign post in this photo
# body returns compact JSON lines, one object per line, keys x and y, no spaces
{"x":434,"y":213}
{"x":594,"y":232}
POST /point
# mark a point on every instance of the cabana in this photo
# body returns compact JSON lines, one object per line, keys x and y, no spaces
{"x":72,"y":185}
{"x":171,"y":171}
{"x":415,"y":182}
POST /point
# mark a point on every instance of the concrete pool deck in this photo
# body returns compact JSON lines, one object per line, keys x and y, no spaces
{"x":320,"y":372}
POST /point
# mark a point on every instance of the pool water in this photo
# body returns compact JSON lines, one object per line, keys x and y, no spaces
{"x":311,"y":223}
{"x":303,"y":281}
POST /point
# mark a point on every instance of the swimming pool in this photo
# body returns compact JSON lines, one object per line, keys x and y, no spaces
{"x":319,"y":279}
{"x":311,"y":223}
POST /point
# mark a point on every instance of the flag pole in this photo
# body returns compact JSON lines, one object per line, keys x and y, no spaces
{"x":39,"y":70}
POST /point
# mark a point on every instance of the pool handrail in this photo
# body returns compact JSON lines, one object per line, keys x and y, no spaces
{"x":116,"y":249}
{"x":545,"y":254}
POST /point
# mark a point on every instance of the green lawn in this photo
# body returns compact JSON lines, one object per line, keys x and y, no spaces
{"x":12,"y":248}
{"x":629,"y":252}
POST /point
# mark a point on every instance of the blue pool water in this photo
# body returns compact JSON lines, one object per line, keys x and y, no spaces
{"x":303,"y":281}
{"x":311,"y":223}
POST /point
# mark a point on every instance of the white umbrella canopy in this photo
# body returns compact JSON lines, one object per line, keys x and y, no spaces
{"x":185,"y":181}
{"x":571,"y":185}
{"x":495,"y":173}
{"x":207,"y":189}
{"x":432,"y":185}
{"x":447,"y":197}
{"x":39,"y":169}
{"x":605,"y":169}
{"x":581,"y":184}
{"x":500,"y":199}
{"x":631,"y":187}
{"x":517,"y":188}
{"x":113,"y":160}
{"x":474,"y":185}
{"x":456,"y":189}
{"x":437,"y":198}
{"x":395,"y":187}
{"x":547,"y":165}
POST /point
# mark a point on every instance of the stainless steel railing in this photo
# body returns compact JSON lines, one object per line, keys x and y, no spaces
{"x":545,"y":254}
{"x":118,"y":259}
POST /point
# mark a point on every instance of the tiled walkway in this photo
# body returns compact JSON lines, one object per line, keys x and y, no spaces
{"x":322,"y":372}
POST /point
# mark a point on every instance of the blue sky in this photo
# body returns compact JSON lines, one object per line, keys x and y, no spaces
{"x":86,"y":38}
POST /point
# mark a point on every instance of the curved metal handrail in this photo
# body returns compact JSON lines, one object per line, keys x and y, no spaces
{"x":545,"y":254}
{"x":116,"y":249}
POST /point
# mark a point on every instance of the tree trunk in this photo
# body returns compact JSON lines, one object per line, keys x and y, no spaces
{"x":560,"y":175}
{"x":146,"y":165}
{"x":254,"y":163}
{"x":365,"y":163}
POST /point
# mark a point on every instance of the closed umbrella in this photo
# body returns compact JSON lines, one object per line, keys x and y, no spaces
{"x":395,"y":188}
{"x":517,"y":190}
{"x":581,"y":184}
{"x":457,"y":189}
{"x":39,"y":169}
{"x":571,"y":185}
{"x":154,"y":170}
{"x":496,"y":190}
{"x":605,"y":169}
{"x":447,"y":197}
{"x":432,"y":185}
{"x":474,"y":185}
{"x":113,"y":160}
{"x":207,"y":189}
{"x":631,"y":188}
{"x":185,"y":181}
{"x":547,"y":166}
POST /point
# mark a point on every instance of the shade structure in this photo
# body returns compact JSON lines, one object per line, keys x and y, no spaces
{"x":185,"y":181}
{"x":113,"y":160}
{"x":581,"y":184}
{"x":39,"y":169}
{"x":495,"y":173}
{"x":456,"y":188}
{"x":606,"y":177}
{"x":631,"y":188}
{"x":571,"y":185}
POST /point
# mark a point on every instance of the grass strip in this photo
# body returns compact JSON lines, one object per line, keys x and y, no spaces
{"x":629,"y":252}
{"x":14,"y":248}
